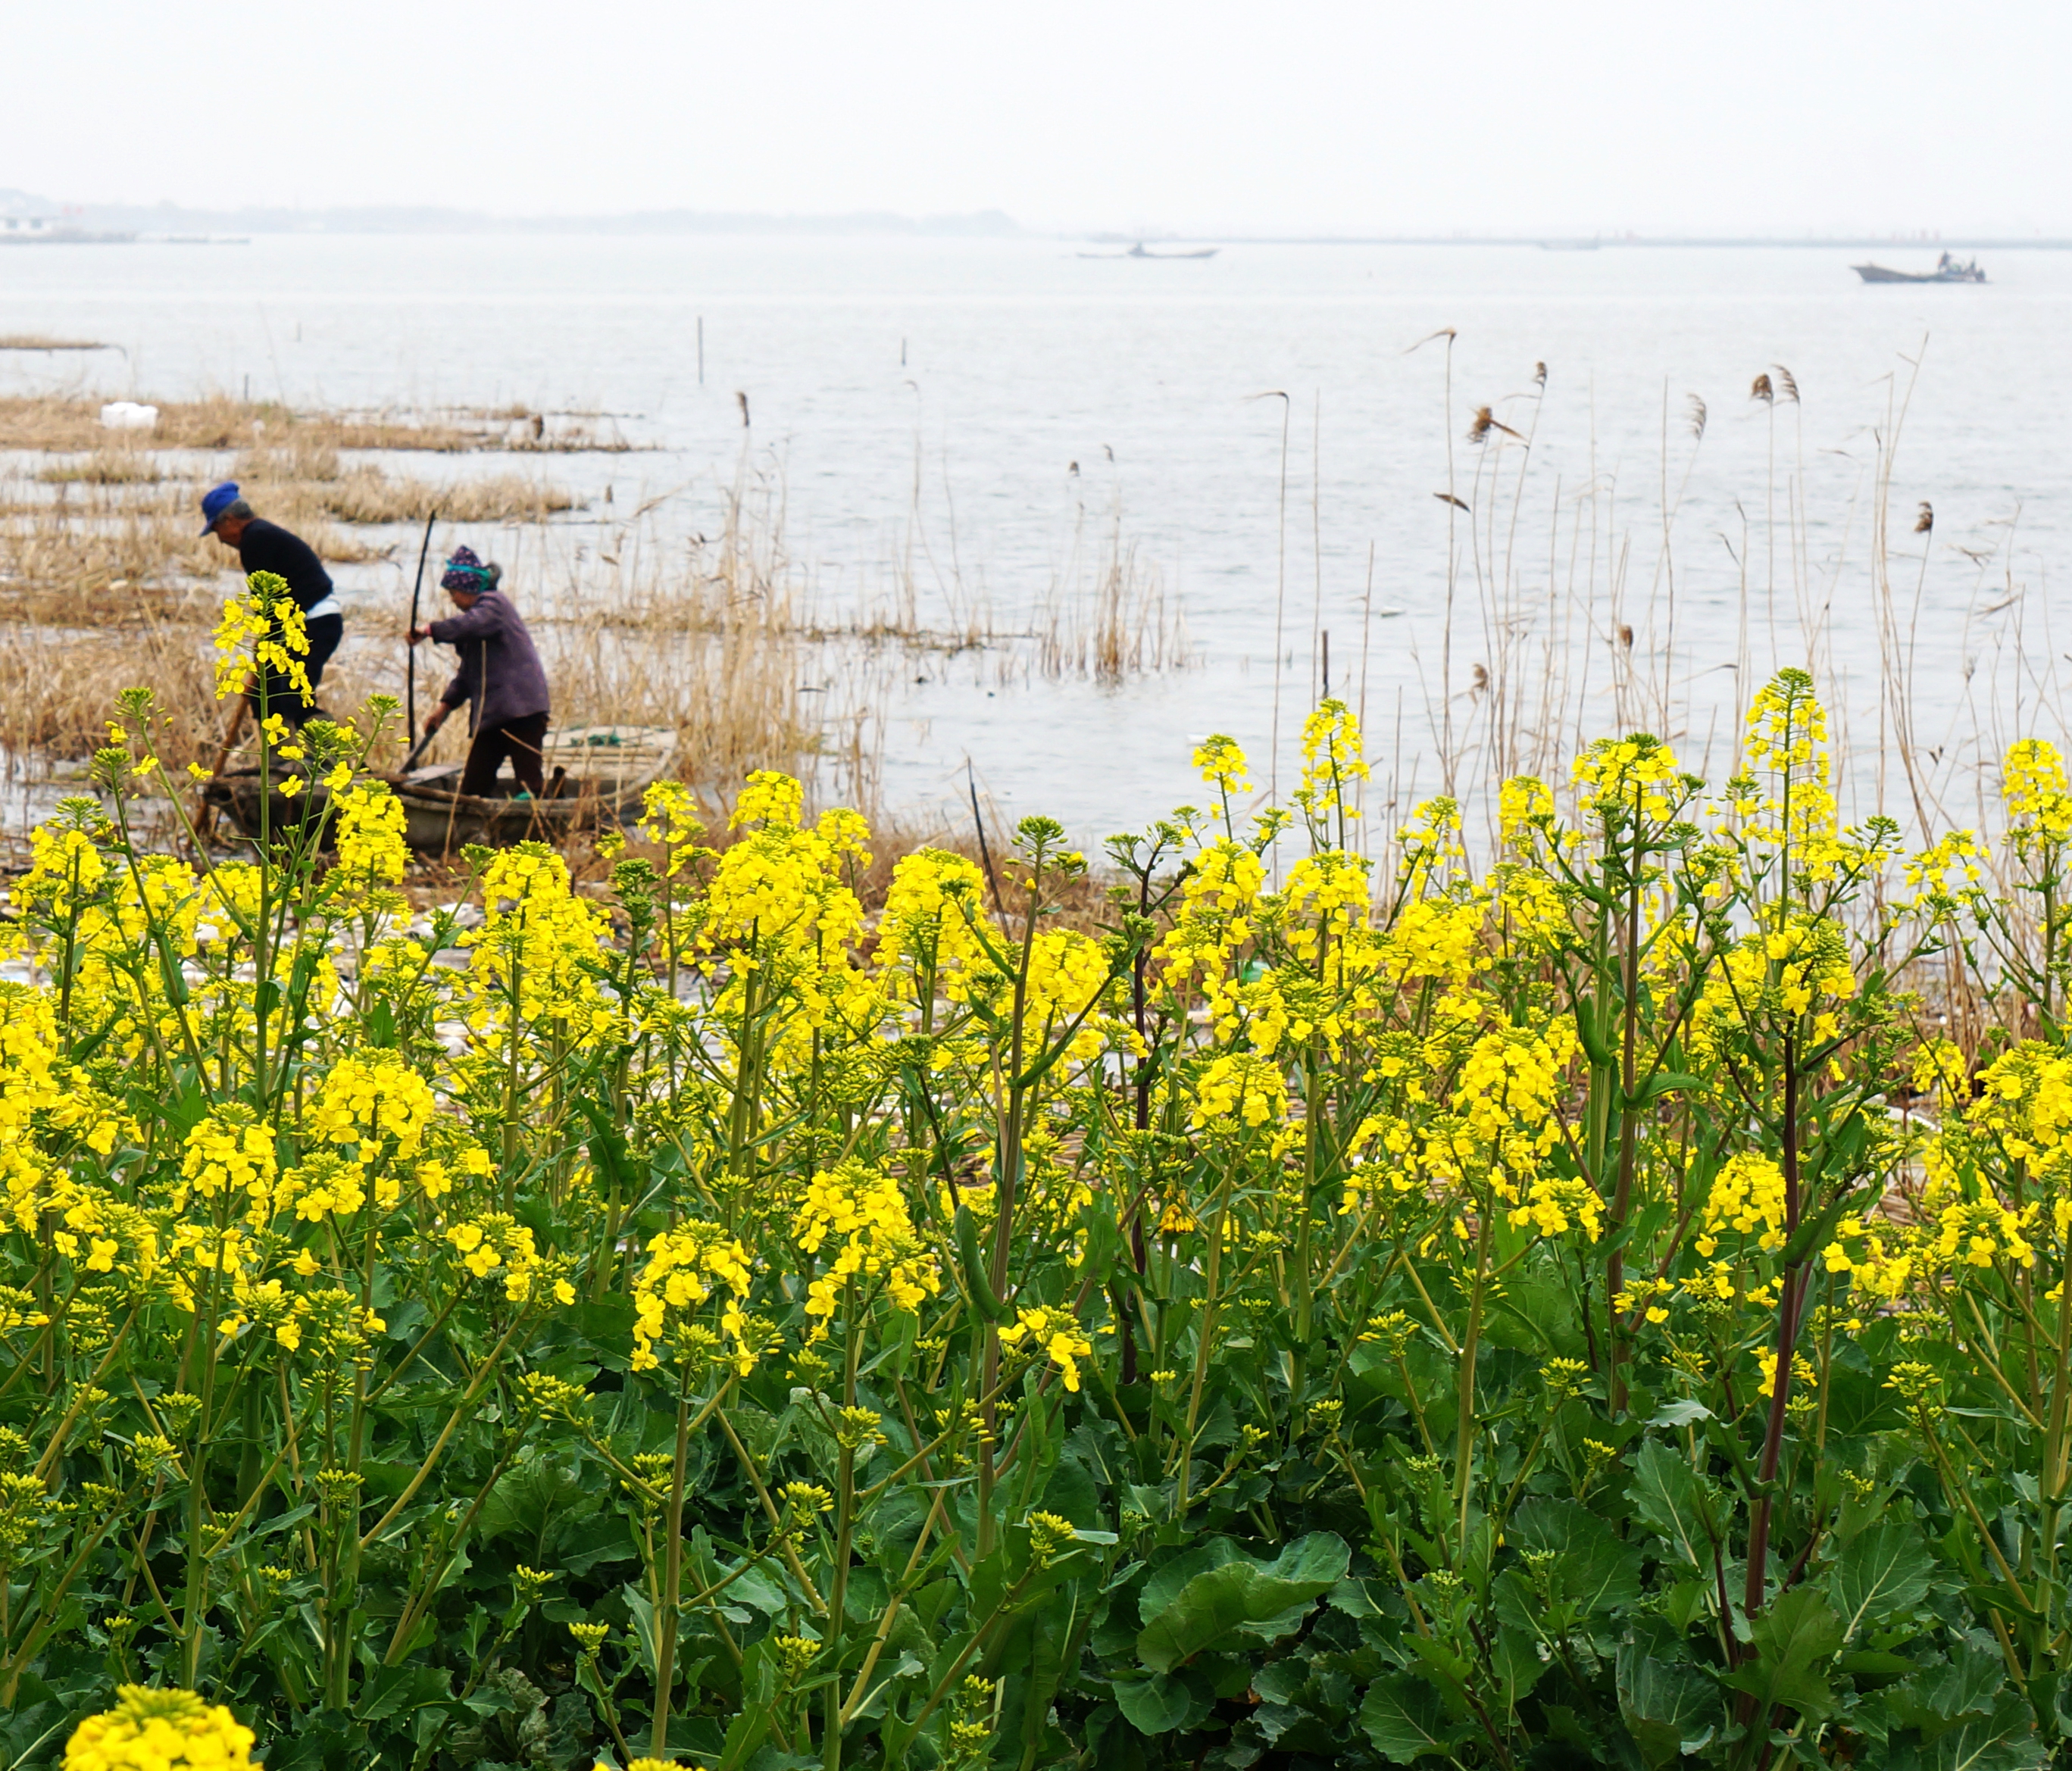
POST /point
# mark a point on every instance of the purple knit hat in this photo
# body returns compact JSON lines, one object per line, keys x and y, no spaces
{"x":465,"y":571}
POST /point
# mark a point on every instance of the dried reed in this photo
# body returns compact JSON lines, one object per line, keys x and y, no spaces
{"x":39,"y":341}
{"x":1574,"y":645}
{"x":366,"y":494}
{"x":1107,"y":615}
{"x":59,"y":685}
{"x":112,"y":466}
{"x":59,"y":553}
{"x":1122,"y":624}
{"x":60,"y":423}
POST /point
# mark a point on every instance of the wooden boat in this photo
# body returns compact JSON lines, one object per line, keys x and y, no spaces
{"x":595,"y":777}
{"x":1947,"y":271}
{"x":1139,"y":250}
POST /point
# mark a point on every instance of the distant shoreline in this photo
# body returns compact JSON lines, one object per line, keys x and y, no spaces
{"x":179,"y":223}
{"x":1606,"y":242}
{"x":603,"y":230}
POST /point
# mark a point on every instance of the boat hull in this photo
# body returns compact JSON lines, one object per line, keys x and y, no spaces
{"x":1140,"y":252}
{"x":1879,"y":274}
{"x":442,"y":823}
{"x":597,"y":776}
{"x":434,"y":822}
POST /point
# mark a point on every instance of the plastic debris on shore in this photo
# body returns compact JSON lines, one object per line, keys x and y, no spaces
{"x":127,"y":415}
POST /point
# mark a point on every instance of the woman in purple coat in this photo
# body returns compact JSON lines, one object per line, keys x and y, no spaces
{"x":500,"y":677}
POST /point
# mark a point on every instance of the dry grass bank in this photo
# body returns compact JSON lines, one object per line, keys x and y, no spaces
{"x":730,"y":694}
{"x":368,"y":495}
{"x":105,"y":586}
{"x":43,"y":341}
{"x":71,"y":424}
{"x":89,"y":554}
{"x":110,"y":465}
{"x":114,"y":520}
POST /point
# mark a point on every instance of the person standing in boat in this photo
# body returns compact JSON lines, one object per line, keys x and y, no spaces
{"x":261,"y":546}
{"x":500,"y":678}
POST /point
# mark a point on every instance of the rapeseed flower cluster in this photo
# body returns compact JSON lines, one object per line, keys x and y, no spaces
{"x":534,"y":959}
{"x":933,"y":929}
{"x":1332,"y":761}
{"x":1437,"y":939}
{"x":493,"y":1245}
{"x":686,"y":1267}
{"x":669,"y":820}
{"x":1746,"y":1199}
{"x":778,"y":892}
{"x":373,"y":1101}
{"x":2024,"y":1105}
{"x":1795,"y":977}
{"x":1240,"y":1089}
{"x":1219,"y":897}
{"x":1633,"y":777}
{"x":1222,"y":764}
{"x":857,"y":1215}
{"x":2037,"y":794}
{"x":1053,"y":1334}
{"x":1785,"y":741}
{"x":371,"y":824}
{"x":264,"y":627}
{"x":231,"y":1150}
{"x":153,"y":1730}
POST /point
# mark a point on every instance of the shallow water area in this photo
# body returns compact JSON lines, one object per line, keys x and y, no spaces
{"x":966,"y":424}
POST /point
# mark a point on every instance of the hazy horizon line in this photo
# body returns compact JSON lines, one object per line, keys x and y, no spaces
{"x":452,"y":217}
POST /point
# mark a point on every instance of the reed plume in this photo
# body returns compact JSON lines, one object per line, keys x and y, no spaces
{"x":1485,"y":421}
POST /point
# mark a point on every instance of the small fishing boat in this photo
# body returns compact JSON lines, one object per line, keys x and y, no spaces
{"x":1139,"y":250}
{"x":1948,"y":270}
{"x":595,"y":777}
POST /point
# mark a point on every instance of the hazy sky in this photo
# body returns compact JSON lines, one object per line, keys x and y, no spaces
{"x":1479,"y":115}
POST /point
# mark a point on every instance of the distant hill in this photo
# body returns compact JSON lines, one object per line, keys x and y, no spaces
{"x":429,"y":219}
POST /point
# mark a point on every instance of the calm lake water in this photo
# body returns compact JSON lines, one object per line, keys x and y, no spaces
{"x":1042,"y":393}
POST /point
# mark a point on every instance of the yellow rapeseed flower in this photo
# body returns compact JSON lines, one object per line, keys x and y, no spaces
{"x":859,"y":1214}
{"x":1054,"y":1335}
{"x":153,"y":1730}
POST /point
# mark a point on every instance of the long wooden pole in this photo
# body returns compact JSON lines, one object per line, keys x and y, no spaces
{"x":409,"y":650}
{"x":205,"y":812}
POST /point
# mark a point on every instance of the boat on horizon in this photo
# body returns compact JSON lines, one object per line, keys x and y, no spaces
{"x":1947,"y":271}
{"x":1139,"y":250}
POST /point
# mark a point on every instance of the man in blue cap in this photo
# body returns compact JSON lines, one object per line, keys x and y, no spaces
{"x":266,"y":547}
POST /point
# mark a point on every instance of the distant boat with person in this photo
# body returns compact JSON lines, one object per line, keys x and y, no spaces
{"x":1139,"y":250}
{"x":1947,"y":271}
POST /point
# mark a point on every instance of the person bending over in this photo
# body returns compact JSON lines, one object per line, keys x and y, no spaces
{"x":261,"y":546}
{"x":500,"y":677}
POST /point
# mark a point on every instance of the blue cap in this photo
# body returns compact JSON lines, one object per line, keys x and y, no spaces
{"x":218,"y":500}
